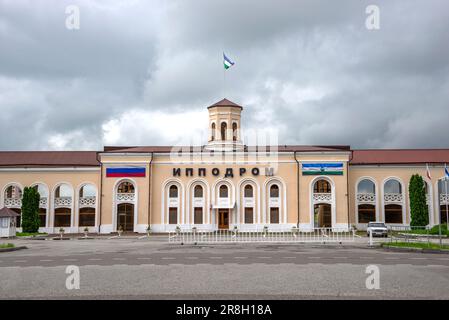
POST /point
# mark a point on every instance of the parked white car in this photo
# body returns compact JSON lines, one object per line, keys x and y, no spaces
{"x":377,"y":228}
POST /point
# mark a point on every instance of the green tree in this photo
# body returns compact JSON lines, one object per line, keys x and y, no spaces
{"x":30,"y":210}
{"x":418,"y":207}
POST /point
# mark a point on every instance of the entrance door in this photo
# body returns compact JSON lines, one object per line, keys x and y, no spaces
{"x":223,"y":218}
{"x":125,"y":216}
{"x":323,"y":216}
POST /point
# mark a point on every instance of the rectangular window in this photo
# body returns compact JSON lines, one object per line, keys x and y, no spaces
{"x":393,"y":213}
{"x":87,"y":217}
{"x":249,"y":217}
{"x":62,"y":220}
{"x":198,"y":216}
{"x":173,"y":215}
{"x":274,"y":215}
{"x":42,"y":217}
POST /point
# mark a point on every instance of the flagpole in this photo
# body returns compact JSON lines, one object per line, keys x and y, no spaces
{"x":224,"y":82}
{"x":439,"y":213}
{"x":447,"y":199}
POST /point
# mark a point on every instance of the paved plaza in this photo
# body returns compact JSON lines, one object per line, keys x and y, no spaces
{"x":132,"y":268}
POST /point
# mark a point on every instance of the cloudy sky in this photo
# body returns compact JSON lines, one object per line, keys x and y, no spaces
{"x":143,"y":72}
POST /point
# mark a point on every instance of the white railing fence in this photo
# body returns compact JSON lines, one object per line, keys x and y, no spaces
{"x":316,"y":235}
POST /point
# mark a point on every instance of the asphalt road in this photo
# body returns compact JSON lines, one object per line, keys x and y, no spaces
{"x":143,"y":269}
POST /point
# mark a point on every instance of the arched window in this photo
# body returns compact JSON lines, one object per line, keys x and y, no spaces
{"x":87,"y":190}
{"x":13,"y":192}
{"x":42,"y":190}
{"x":223,"y":191}
{"x":322,"y":186}
{"x":248,"y":191}
{"x":213,"y":132}
{"x":125,"y":187}
{"x":223,"y":130}
{"x":173,"y":192}
{"x":87,"y":201}
{"x":366,"y":208}
{"x":63,"y":191}
{"x":234,"y":131}
{"x":63,"y":205}
{"x":274,"y":191}
{"x":198,"y":191}
{"x":366,"y":186}
{"x":392,"y":186}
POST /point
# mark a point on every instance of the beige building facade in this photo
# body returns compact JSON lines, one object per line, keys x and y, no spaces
{"x":222,"y":185}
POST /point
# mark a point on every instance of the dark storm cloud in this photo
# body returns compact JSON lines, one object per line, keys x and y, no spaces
{"x":308,"y":68}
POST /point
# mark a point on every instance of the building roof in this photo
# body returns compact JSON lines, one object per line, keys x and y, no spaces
{"x":225,"y":103}
{"x":89,"y":158}
{"x":399,"y":156}
{"x":48,"y":159}
{"x":168,"y":149}
{"x":6,"y":212}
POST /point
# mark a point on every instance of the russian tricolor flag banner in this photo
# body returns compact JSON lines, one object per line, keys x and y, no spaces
{"x":335,"y":169}
{"x":125,"y":172}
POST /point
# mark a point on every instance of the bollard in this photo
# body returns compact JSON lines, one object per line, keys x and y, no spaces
{"x":370,"y":237}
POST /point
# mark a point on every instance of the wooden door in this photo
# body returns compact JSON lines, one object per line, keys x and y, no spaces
{"x":223,"y":218}
{"x":125,"y":216}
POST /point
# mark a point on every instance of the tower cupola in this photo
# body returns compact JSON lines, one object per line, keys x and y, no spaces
{"x":224,"y":126}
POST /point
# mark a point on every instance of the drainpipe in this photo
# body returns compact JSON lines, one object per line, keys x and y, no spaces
{"x":297,"y":190}
{"x":150,"y":173}
{"x":347,"y":186}
{"x":100,"y":198}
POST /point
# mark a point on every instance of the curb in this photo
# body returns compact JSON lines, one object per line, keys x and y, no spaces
{"x":416,"y":250}
{"x":12,"y":249}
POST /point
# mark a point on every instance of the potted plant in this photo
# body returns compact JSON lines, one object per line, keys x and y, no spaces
{"x":86,"y":231}
{"x":61,"y":232}
{"x":120,"y":230}
{"x":235,"y":230}
{"x":194,"y":230}
{"x":148,"y":230}
{"x":178,"y":229}
{"x":294,"y":231}
{"x":265,"y":231}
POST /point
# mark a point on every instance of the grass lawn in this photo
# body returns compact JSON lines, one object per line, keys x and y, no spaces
{"x":29,"y":234}
{"x":418,"y":231}
{"x":421,"y":245}
{"x":6,"y":245}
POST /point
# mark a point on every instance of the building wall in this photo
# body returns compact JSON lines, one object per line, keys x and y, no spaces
{"x":379,"y":174}
{"x":153,"y":200}
{"x":109,"y":200}
{"x":51,"y":178}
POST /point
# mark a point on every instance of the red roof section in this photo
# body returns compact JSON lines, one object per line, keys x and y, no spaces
{"x":89,"y":158}
{"x":225,"y":103}
{"x":280,"y":148}
{"x":400,"y":156}
{"x":48,"y":158}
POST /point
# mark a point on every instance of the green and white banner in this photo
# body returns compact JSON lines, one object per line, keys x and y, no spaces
{"x":314,"y":169}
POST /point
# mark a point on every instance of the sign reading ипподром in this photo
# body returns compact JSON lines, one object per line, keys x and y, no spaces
{"x":228,"y":172}
{"x":313,"y":169}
